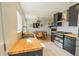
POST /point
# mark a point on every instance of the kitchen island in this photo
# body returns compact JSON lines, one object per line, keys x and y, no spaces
{"x":26,"y":47}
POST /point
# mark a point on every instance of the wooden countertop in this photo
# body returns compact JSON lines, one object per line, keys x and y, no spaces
{"x":71,"y":35}
{"x":23,"y":46}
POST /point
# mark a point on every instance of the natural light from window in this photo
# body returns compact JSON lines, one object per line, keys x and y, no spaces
{"x":19,"y":22}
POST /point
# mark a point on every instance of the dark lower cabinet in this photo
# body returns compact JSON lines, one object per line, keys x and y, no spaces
{"x":70,"y":44}
{"x":32,"y":53}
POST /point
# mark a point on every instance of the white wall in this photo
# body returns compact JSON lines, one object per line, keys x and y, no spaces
{"x":78,"y":24}
{"x":67,"y":28}
{"x":33,"y":19}
{"x":1,"y":35}
{"x":10,"y":23}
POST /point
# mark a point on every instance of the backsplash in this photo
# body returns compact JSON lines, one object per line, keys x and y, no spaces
{"x":65,"y":26}
{"x":68,"y":29}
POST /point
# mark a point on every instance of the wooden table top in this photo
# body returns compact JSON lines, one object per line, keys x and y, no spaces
{"x":23,"y":46}
{"x":71,"y":35}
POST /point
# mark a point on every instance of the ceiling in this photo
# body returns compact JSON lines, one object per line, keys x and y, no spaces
{"x":44,"y":9}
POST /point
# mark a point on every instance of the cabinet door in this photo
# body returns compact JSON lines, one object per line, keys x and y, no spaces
{"x":69,"y":44}
{"x":59,"y":17}
{"x":73,"y":16}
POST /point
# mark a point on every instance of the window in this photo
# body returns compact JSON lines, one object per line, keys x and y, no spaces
{"x":19,"y":22}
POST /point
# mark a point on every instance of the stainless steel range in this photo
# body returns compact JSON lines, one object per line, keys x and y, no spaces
{"x":59,"y":38}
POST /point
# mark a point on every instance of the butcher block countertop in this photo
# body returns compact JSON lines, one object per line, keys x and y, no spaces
{"x":23,"y":45}
{"x":71,"y":35}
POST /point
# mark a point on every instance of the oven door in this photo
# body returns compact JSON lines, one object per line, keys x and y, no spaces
{"x":58,"y":42}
